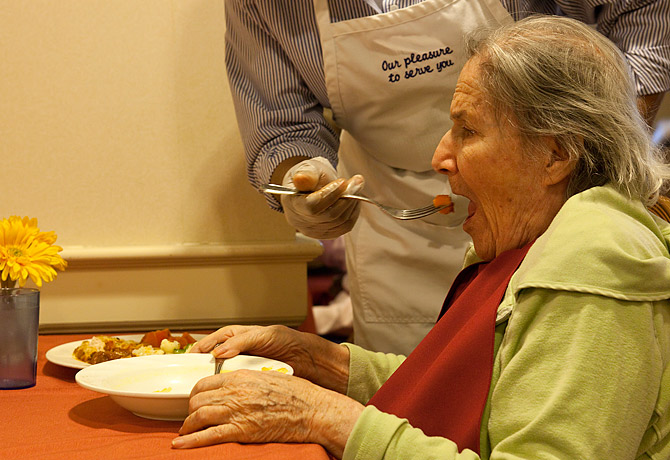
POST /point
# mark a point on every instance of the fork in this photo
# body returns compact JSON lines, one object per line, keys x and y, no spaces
{"x":218,"y":362}
{"x":402,"y":214}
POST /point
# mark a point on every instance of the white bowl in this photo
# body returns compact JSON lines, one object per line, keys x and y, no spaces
{"x":158,"y":386}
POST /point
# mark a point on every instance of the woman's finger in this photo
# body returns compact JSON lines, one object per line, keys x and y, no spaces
{"x":212,"y":435}
{"x":211,"y":382}
{"x":255,"y":340}
{"x":208,"y":409}
{"x":207,"y":343}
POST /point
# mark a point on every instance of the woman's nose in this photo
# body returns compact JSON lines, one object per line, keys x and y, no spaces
{"x":444,"y":160}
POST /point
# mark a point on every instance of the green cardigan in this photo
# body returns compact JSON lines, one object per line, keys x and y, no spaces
{"x":582,"y":349}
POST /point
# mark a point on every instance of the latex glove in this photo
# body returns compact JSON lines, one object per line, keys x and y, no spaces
{"x":321,"y":214}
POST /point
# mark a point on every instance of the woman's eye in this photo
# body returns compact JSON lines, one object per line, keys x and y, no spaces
{"x":467,"y":132}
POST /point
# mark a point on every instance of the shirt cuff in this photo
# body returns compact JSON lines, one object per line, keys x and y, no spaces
{"x":378,"y":435}
{"x":368,"y":371}
{"x":371,"y":435}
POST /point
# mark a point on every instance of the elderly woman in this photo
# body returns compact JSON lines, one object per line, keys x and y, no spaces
{"x":554,"y":341}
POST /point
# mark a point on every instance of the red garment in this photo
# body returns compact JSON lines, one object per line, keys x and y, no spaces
{"x":443,"y":385}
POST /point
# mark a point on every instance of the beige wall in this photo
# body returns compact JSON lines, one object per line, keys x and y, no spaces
{"x":117,"y":132}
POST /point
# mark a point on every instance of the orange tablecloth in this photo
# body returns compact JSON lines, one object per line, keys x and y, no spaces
{"x":57,"y":419}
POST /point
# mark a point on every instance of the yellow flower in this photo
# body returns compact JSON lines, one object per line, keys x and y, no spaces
{"x":27,"y":252}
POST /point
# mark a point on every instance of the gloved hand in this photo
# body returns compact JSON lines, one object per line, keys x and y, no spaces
{"x":320,"y":214}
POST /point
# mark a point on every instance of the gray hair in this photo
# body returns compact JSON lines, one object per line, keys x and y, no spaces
{"x":557,"y":77}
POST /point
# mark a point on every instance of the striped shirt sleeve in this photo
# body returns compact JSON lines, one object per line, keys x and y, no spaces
{"x":277,"y":111}
{"x":641,"y":29}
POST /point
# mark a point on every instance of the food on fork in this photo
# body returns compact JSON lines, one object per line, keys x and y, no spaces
{"x":443,"y":200}
{"x":103,"y":348}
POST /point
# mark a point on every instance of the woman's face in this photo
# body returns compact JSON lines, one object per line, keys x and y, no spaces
{"x":484,"y":160}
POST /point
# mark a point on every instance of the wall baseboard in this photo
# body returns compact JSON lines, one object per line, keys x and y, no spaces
{"x":181,"y":287}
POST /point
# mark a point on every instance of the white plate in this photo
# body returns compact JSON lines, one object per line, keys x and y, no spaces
{"x":62,"y":354}
{"x":158,"y":386}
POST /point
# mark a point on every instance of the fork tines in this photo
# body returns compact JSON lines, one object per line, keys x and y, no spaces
{"x":421,"y":212}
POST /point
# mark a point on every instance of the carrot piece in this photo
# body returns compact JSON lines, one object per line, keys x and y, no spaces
{"x":443,"y":200}
{"x":154,"y":338}
{"x":149,"y":338}
{"x":189,"y":338}
{"x":181,"y":340}
{"x":162,"y":334}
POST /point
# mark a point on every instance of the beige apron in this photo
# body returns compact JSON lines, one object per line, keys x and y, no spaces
{"x":390,"y":79}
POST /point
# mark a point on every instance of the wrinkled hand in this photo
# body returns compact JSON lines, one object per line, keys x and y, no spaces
{"x":256,"y":407}
{"x":249,"y":406}
{"x":311,"y":357}
{"x":320,"y":214}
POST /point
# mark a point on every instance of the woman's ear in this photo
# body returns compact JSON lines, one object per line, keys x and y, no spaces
{"x":559,"y":166}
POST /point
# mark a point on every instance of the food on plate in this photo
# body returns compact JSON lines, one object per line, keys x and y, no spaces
{"x":443,"y":200}
{"x":283,"y":370}
{"x":103,"y":348}
{"x":164,"y":390}
{"x":155,"y":338}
